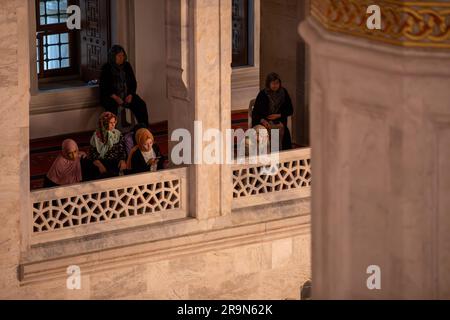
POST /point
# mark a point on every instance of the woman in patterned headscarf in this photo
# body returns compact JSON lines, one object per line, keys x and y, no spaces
{"x":272,"y":109}
{"x":107,"y":148}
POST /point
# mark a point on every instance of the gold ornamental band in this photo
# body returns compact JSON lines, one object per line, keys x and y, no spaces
{"x":404,"y":23}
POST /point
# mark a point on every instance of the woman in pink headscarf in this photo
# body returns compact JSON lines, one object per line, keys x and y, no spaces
{"x":67,"y":167}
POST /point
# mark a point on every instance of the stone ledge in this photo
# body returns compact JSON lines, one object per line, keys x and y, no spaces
{"x":245,"y":78}
{"x":67,"y":99}
{"x":103,"y":260}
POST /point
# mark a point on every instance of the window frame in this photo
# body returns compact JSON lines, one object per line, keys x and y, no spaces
{"x":249,"y":37}
{"x":52,"y":29}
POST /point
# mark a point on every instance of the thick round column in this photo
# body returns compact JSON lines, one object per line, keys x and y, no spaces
{"x":380,"y":134}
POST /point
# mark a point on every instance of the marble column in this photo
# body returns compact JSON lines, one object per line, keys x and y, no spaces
{"x":14,"y":148}
{"x":380,"y":131}
{"x":199,"y":88}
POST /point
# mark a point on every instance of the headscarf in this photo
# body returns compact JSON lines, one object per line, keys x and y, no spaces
{"x":103,"y":140}
{"x":142,"y":135}
{"x":276,"y":98}
{"x":130,"y":137}
{"x":119,"y":76}
{"x":63,"y":170}
{"x":113,"y":52}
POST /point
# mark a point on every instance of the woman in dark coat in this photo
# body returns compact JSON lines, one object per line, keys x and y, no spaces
{"x":272,"y":109}
{"x":118,"y":86}
{"x":146,"y":156}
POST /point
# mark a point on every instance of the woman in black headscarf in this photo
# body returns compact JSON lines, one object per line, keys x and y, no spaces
{"x":272,"y":109}
{"x":118,"y":86}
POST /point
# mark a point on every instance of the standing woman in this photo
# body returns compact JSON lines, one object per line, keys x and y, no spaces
{"x":272,"y":109}
{"x":107,"y":151}
{"x":118,"y":86}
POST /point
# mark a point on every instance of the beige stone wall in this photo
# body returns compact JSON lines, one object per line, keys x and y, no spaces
{"x":266,"y":270}
{"x":14,"y":88}
{"x":257,"y":253}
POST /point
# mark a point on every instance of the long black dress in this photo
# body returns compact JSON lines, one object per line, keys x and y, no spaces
{"x":262,"y":111}
{"x":107,"y":89}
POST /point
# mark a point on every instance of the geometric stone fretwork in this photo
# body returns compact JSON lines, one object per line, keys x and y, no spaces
{"x":254,"y":180}
{"x":106,"y":206}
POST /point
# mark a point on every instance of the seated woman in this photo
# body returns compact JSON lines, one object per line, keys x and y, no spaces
{"x":145,"y":157}
{"x":107,"y":152}
{"x":67,"y":168}
{"x":272,"y":109}
{"x":118,"y":86}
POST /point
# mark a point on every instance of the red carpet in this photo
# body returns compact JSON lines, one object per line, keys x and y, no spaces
{"x":44,"y":151}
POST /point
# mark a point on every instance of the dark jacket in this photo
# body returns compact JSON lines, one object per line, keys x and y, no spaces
{"x":107,"y":84}
{"x":262,"y":108}
{"x":262,"y":111}
{"x":138,"y":164}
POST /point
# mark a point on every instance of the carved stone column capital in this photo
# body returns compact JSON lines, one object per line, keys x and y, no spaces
{"x":404,"y":23}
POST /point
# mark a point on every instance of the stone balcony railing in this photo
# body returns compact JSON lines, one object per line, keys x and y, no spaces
{"x":116,"y":223}
{"x":107,"y":205}
{"x":253,"y":187}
